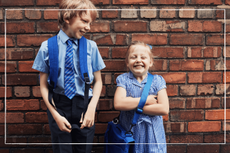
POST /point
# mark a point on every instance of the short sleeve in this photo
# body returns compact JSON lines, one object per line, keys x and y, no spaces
{"x":97,"y":61}
{"x":121,"y":81}
{"x":41,"y":62}
{"x":160,"y":83}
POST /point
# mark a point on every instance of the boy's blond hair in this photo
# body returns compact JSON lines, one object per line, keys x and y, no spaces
{"x":138,"y":43}
{"x":67,"y":7}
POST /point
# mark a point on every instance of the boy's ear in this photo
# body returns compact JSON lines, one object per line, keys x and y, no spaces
{"x":65,"y":17}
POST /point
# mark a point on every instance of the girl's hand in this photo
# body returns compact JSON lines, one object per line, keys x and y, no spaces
{"x":88,"y":120}
{"x":151,"y":99}
{"x":63,"y":124}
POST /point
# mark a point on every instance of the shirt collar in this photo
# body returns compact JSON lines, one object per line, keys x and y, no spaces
{"x":63,"y":37}
{"x":131,"y":76}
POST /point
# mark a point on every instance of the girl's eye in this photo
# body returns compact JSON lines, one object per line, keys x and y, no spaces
{"x":143,"y":57}
{"x":132,"y":57}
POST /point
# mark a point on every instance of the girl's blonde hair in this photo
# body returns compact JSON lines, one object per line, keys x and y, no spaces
{"x":67,"y":7}
{"x":138,"y":43}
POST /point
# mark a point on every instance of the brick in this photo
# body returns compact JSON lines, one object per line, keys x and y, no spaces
{"x":227,"y":126}
{"x":109,"y":14}
{"x":26,"y":66}
{"x":128,"y":12}
{"x":215,"y":39}
{"x":22,"y":91}
{"x":186,"y":65}
{"x":211,"y":52}
{"x":186,"y":138}
{"x":119,"y":52}
{"x":107,"y":116}
{"x":187,"y":90}
{"x":204,"y":126}
{"x":177,"y":149}
{"x":227,"y":52}
{"x":220,"y":14}
{"x":1,"y":14}
{"x":172,"y":90}
{"x":105,"y":104}
{"x":46,"y":129}
{"x":50,"y":14}
{"x":4,"y":150}
{"x":10,"y":41}
{"x":14,"y":14}
{"x":19,"y":27}
{"x":187,"y":115}
{"x":195,"y":77}
{"x":168,"y":2}
{"x":104,"y":51}
{"x":103,"y":39}
{"x":176,"y":103}
{"x":205,"y":89}
{"x":24,"y":129}
{"x":23,"y":104}
{"x":215,"y":65}
{"x":110,"y":90}
{"x":195,"y":26}
{"x":211,"y":77}
{"x":133,"y":2}
{"x":227,"y":77}
{"x":100,"y":128}
{"x":186,"y":39}
{"x":21,"y":79}
{"x":220,"y":89}
{"x":168,"y":52}
{"x":167,"y":26}
{"x":212,"y":26}
{"x":36,"y":117}
{"x":108,"y":78}
{"x":152,"y":39}
{"x":10,"y":67}
{"x":32,"y":40}
{"x":148,"y":12}
{"x":50,"y":2}
{"x":100,"y":26}
{"x":202,"y":103}
{"x":8,"y":92}
{"x":226,"y":147}
{"x":36,"y":91}
{"x":118,"y":65}
{"x":217,"y":114}
{"x":159,"y":65}
{"x":130,"y":26}
{"x":11,"y":117}
{"x":207,"y":2}
{"x":43,"y":27}
{"x":167,"y":13}
{"x":33,"y":14}
{"x":205,"y":14}
{"x":101,"y":2}
{"x":17,"y":54}
{"x":44,"y":139}
{"x":122,"y":39}
{"x":16,"y":3}
{"x":214,"y":138}
{"x":176,"y":127}
{"x":103,"y":91}
{"x":187,"y":12}
{"x":174,"y":77}
{"x":203,"y":148}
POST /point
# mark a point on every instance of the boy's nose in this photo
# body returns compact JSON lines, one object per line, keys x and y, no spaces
{"x":87,"y":27}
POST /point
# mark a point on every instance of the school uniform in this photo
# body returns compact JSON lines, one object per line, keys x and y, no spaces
{"x":149,"y":130}
{"x":71,"y":109}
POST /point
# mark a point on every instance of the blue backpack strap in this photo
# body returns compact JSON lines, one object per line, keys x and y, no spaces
{"x":83,"y":59}
{"x":143,"y":99}
{"x":53,"y":58}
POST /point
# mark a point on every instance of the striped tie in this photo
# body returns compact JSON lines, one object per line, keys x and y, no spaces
{"x":70,"y":89}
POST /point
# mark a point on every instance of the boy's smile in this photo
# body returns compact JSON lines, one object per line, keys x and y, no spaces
{"x":77,"y":26}
{"x":139,"y":61}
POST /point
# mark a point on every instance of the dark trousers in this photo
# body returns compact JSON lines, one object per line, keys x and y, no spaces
{"x":71,"y":110}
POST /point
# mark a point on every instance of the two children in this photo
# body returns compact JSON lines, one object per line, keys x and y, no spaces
{"x":149,"y":129}
{"x":70,"y":109}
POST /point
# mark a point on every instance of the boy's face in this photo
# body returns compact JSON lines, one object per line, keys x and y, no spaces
{"x":77,"y":26}
{"x":139,"y":60}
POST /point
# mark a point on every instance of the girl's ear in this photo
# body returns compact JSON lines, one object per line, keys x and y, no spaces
{"x":151,"y":62}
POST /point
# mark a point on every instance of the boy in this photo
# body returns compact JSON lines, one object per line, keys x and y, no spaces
{"x":68,"y":106}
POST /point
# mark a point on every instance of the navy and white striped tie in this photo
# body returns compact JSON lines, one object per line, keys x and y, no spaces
{"x":70,"y":89}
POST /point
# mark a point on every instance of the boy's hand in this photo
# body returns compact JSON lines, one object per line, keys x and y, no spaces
{"x":88,"y":120}
{"x":63,"y":124}
{"x":151,"y":99}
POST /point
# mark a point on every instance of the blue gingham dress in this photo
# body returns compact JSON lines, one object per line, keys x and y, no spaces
{"x":149,"y":129}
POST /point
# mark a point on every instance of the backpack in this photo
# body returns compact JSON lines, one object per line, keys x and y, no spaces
{"x":53,"y":75}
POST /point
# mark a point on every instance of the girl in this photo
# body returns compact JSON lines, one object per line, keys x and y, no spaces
{"x":149,"y":130}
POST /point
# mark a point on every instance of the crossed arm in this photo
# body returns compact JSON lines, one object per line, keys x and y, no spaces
{"x":152,"y":106}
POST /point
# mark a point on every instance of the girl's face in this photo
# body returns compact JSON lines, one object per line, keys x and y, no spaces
{"x":139,"y":60}
{"x":77,"y":26}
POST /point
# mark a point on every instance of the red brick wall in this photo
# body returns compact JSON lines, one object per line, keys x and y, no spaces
{"x":188,"y":43}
